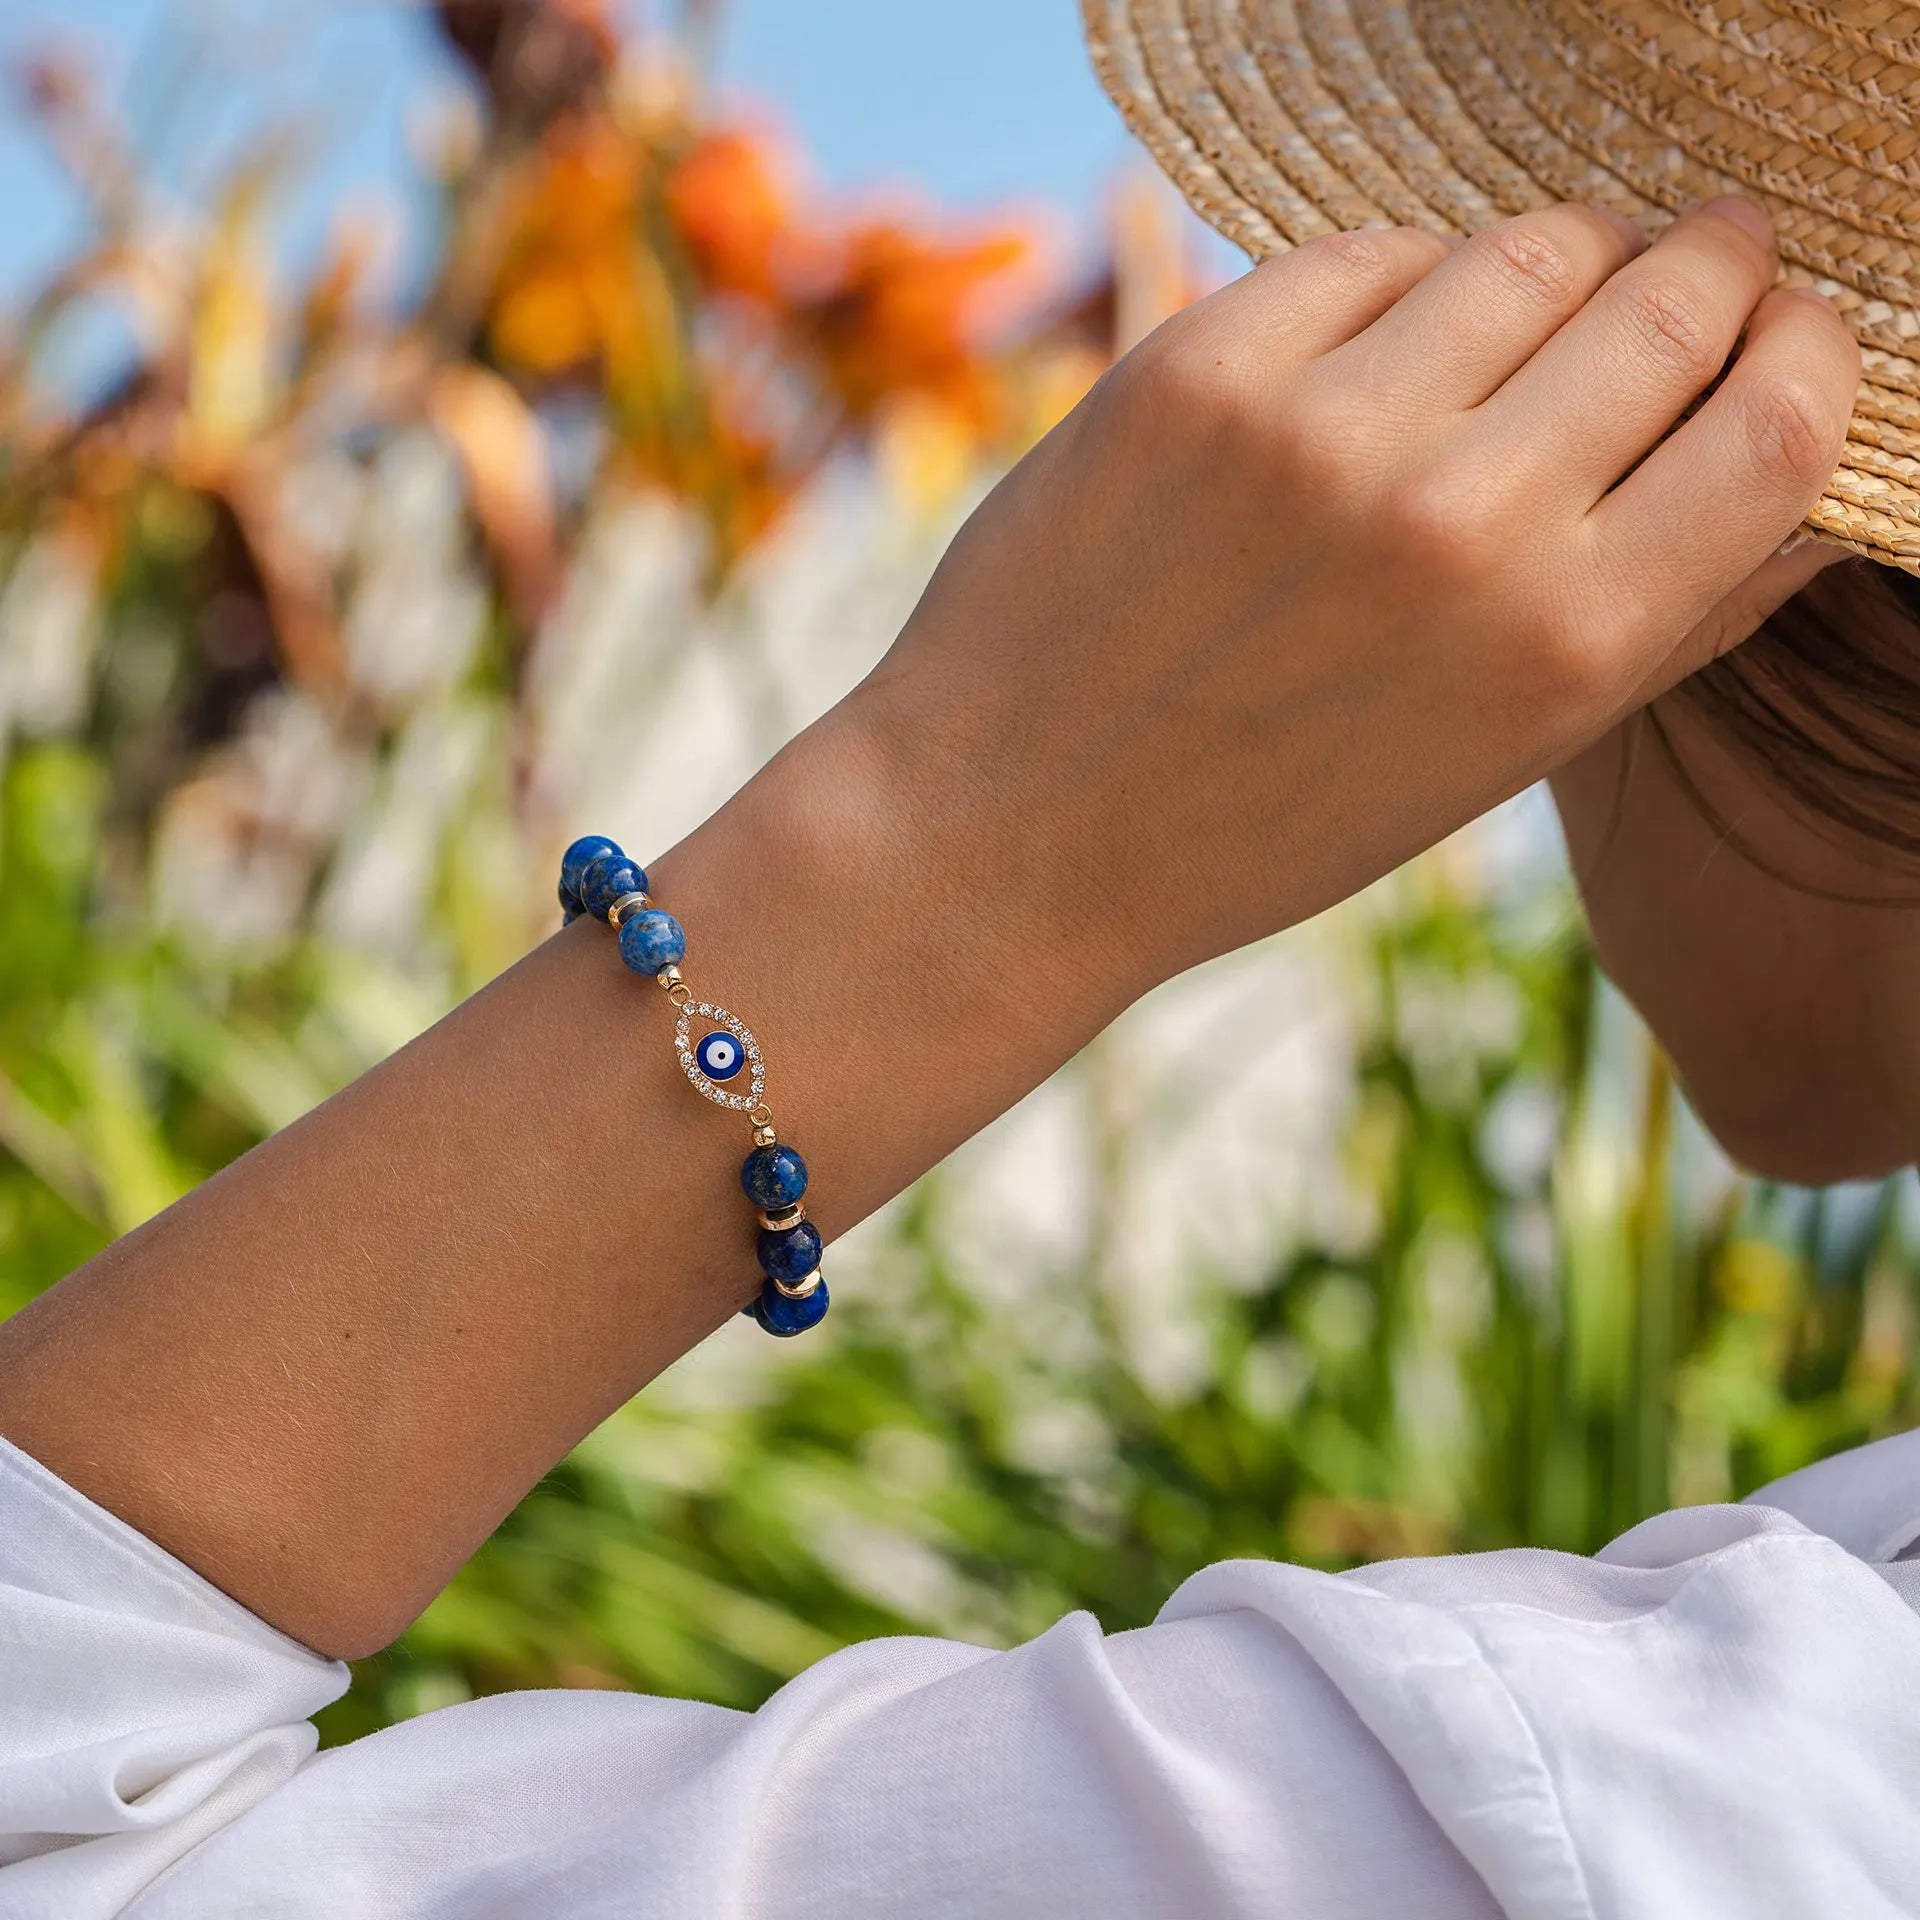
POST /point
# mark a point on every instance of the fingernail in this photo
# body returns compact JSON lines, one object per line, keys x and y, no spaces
{"x":1744,"y":214}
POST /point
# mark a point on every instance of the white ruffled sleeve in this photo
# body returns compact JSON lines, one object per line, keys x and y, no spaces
{"x":1711,"y":1720}
{"x":156,"y":1763}
{"x":140,"y":1708}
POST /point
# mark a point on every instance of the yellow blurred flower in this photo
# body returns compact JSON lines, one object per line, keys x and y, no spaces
{"x":926,"y":451}
{"x":230,"y":370}
{"x":570,"y":284}
{"x":1754,"y":1276}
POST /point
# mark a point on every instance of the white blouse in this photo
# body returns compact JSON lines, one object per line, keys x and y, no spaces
{"x":1718,"y":1718}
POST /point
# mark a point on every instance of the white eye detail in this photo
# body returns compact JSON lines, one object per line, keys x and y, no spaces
{"x":719,"y":1056}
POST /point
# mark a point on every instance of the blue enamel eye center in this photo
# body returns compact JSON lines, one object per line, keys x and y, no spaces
{"x":720,"y":1055}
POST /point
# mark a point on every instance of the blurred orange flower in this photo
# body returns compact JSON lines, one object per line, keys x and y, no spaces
{"x":732,"y":209}
{"x":904,"y":316}
{"x":737,"y":336}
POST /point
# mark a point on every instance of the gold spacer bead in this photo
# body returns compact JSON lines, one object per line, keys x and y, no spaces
{"x":782,"y":1217}
{"x":765,"y":1137}
{"x":800,"y":1289}
{"x":669,"y":977}
{"x":625,"y":908}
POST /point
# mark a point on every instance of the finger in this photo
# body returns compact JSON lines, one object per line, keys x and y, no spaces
{"x":1486,"y":311}
{"x":1298,"y":305}
{"x":1705,"y":510}
{"x":1614,"y":379}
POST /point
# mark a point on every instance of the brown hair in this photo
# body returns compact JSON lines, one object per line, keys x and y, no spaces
{"x":1826,"y":697}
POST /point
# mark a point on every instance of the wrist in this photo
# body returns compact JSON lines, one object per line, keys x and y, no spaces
{"x":858,"y":911}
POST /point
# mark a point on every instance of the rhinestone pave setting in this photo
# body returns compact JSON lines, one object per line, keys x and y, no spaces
{"x":684,"y":1049}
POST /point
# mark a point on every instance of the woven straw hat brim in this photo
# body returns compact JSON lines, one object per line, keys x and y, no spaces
{"x":1282,"y":119}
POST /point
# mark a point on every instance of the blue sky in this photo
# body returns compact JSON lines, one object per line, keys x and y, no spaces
{"x":981,"y":104}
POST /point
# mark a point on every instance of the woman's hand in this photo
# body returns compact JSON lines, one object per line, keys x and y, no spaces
{"x":1344,"y":555}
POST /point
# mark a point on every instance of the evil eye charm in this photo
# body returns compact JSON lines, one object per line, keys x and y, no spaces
{"x":719,"y":1056}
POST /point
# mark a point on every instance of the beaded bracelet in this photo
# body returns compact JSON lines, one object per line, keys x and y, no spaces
{"x":598,"y":879}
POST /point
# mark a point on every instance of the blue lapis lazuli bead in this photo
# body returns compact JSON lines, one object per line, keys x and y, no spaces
{"x":569,"y":904}
{"x":790,"y":1253}
{"x":652,"y":941}
{"x":720,"y":1056}
{"x":773,"y":1177}
{"x":573,"y":863}
{"x":606,"y":877}
{"x":784,"y":1317}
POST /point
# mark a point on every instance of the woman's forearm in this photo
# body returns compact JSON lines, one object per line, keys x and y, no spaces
{"x":325,"y":1376}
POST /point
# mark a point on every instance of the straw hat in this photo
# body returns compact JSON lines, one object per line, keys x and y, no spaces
{"x":1281,"y":119}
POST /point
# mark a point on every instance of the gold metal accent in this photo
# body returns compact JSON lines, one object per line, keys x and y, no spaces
{"x":669,"y":977}
{"x":761,"y":1115}
{"x":765,"y":1137}
{"x":625,"y":908}
{"x":782,"y":1218}
{"x":679,"y":993}
{"x":800,"y":1289}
